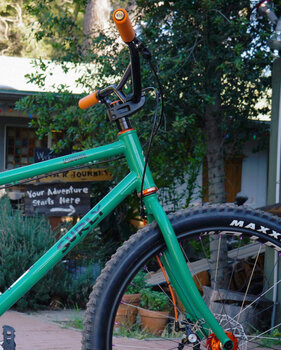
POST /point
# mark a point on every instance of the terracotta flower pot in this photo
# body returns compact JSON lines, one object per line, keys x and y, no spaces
{"x":153,"y":321}
{"x":126,"y":314}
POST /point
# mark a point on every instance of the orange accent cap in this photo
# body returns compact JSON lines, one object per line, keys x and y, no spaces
{"x":124,"y":25}
{"x":148,"y":191}
{"x":123,"y":131}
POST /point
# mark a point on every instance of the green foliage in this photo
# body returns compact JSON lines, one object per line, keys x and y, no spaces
{"x":59,"y":25}
{"x":212,"y":60}
{"x":210,"y":53}
{"x":153,"y":300}
{"x":214,"y":63}
{"x":137,"y":284}
{"x":211,"y":57}
{"x":175,"y":155}
{"x":18,"y":28}
{"x":79,"y":289}
{"x":22,"y":241}
{"x":59,"y":112}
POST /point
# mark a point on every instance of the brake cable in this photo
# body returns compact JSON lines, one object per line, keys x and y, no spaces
{"x":154,"y":130}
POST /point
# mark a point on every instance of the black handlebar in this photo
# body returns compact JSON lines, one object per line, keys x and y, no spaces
{"x":135,"y":71}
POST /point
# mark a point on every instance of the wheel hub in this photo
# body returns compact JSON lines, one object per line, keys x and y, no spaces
{"x":213,"y":342}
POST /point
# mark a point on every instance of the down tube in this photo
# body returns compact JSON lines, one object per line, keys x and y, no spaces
{"x":67,"y":242}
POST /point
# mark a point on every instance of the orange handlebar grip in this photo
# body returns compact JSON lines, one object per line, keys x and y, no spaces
{"x":124,"y":25}
{"x":88,"y":101}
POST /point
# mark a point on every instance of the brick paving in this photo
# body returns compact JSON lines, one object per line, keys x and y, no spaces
{"x":39,"y":331}
{"x":44,"y":331}
{"x":32,"y":333}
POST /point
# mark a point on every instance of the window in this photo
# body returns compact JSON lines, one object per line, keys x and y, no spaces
{"x":20,"y":144}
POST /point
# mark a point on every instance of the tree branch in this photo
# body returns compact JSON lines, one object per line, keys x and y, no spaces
{"x":6,"y":27}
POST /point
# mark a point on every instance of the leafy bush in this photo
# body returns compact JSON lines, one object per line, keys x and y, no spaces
{"x":81,"y":287}
{"x":137,"y":284}
{"x":153,"y":300}
{"x":22,"y":241}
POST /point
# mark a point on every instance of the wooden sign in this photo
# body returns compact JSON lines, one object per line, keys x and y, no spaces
{"x":41,"y":154}
{"x":83,"y":174}
{"x":71,"y":199}
{"x":86,"y":174}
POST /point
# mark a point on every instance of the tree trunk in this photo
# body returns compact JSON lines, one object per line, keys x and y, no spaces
{"x":95,"y":19}
{"x":218,"y":262}
{"x":216,"y":176}
{"x":215,"y":157}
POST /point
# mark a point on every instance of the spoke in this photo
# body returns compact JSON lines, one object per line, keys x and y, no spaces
{"x":256,"y":315}
{"x":250,"y":280}
{"x":231,"y":276}
{"x":259,"y":297}
{"x":234,"y":258}
{"x":258,"y":336}
{"x":206,"y":256}
{"x":233,"y":265}
{"x":217,"y":262}
{"x":257,"y":345}
{"x":250,"y":337}
{"x":189,"y":266}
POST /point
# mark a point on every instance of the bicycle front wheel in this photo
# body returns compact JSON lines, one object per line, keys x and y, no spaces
{"x":233,"y":255}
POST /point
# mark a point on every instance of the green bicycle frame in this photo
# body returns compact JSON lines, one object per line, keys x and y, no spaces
{"x":128,"y":145}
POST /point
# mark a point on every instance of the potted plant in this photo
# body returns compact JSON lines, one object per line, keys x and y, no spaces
{"x":155,"y":311}
{"x":127,"y":312}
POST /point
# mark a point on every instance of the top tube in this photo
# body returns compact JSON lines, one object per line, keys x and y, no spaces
{"x":88,"y":156}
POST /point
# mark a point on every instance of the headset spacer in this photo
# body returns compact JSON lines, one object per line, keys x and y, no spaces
{"x":148,"y":191}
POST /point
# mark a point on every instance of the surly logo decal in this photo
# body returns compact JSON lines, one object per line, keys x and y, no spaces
{"x":258,"y":228}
